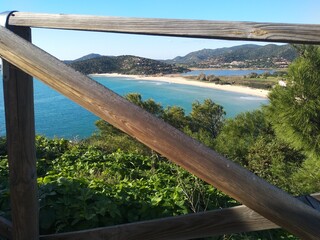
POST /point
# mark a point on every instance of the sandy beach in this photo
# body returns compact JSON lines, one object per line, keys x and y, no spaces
{"x":181,"y":80}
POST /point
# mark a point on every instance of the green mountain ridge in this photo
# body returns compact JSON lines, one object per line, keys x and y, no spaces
{"x":242,"y":56}
{"x":125,"y":64}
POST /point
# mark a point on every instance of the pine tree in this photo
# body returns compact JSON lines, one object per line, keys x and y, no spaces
{"x":294,"y":110}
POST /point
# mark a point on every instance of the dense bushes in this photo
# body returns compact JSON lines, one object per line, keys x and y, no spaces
{"x":81,"y":186}
{"x":86,"y":187}
{"x":110,"y":178}
{"x":250,"y":140}
{"x":95,"y":182}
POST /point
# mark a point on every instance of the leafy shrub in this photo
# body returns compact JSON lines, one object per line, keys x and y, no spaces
{"x":4,"y":188}
{"x":85,"y":187}
{"x":47,"y":150}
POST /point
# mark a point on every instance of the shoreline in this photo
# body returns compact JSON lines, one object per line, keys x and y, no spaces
{"x":178,"y":79}
{"x":253,"y":69}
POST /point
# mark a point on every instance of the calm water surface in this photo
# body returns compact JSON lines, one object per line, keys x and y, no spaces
{"x":57,"y":116}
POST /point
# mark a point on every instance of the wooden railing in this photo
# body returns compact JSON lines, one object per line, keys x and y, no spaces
{"x":20,"y":55}
{"x":250,"y":31}
{"x":205,"y":224}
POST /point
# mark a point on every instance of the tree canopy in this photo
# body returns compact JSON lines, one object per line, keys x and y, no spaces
{"x":239,"y":133}
{"x":294,"y":110}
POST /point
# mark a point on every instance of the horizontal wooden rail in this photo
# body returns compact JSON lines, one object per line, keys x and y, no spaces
{"x":234,"y":180}
{"x":250,"y":31}
{"x":206,"y":224}
{"x":5,"y":228}
{"x":198,"y":225}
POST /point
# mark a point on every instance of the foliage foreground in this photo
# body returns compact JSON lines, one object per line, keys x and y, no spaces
{"x":111,"y":179}
{"x":83,"y":186}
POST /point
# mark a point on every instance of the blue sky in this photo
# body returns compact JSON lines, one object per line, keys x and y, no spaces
{"x":73,"y":44}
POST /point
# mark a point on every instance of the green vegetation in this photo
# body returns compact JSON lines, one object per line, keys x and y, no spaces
{"x":265,"y":80}
{"x":294,"y":110}
{"x":243,"y":56}
{"x":110,"y":178}
{"x":124,"y":65}
{"x":294,"y":113}
{"x":249,"y":140}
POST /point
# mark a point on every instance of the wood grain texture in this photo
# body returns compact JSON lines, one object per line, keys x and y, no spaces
{"x":19,"y":112}
{"x":234,"y":180}
{"x":5,"y":228}
{"x":198,"y":225}
{"x":206,"y":224}
{"x":250,"y":31}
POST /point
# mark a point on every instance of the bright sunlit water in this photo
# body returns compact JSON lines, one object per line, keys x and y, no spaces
{"x":57,"y":116}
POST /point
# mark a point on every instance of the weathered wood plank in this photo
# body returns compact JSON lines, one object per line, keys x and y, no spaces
{"x":19,"y":111}
{"x":199,"y":225}
{"x":206,"y":224}
{"x":5,"y":228}
{"x":313,"y":201}
{"x":251,"y":31}
{"x":239,"y":183}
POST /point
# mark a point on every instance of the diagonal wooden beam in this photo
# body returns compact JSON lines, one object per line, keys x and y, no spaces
{"x":198,"y":225}
{"x":249,"y":31}
{"x":236,"y":181}
{"x":313,"y":201}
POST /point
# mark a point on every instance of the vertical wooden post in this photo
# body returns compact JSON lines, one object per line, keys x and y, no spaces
{"x":19,"y":111}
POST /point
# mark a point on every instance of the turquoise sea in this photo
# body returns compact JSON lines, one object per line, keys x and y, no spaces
{"x":57,"y":116}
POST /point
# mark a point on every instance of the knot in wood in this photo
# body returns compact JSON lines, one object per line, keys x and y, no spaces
{"x":258,"y":32}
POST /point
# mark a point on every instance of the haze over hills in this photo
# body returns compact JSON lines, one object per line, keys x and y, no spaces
{"x":243,"y":56}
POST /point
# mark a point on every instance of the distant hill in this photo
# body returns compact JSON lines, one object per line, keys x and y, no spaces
{"x":87,"y":57}
{"x":243,"y":56}
{"x":124,"y":65}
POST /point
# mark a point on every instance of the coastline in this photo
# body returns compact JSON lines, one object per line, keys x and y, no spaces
{"x":178,"y":79}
